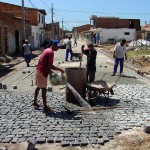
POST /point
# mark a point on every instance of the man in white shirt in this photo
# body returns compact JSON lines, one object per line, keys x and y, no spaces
{"x":27,"y":52}
{"x":69,"y":49}
{"x":119,"y":54}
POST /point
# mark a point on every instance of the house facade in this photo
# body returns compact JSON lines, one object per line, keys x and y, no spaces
{"x":146,"y":32}
{"x":38,"y":28}
{"x":11,"y":34}
{"x":109,"y":29}
{"x":82,"y":28}
{"x":36,"y":20}
{"x":57,"y":31}
{"x":116,"y":23}
{"x":112,"y":36}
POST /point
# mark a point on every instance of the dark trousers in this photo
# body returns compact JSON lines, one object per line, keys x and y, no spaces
{"x":67,"y":54}
{"x":118,"y":61}
{"x":90,"y":76}
{"x":75,"y":43}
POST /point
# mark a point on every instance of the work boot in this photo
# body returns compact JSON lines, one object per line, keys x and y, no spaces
{"x":35,"y":105}
{"x":47,"y":109}
{"x":113,"y":74}
{"x":28,"y":65}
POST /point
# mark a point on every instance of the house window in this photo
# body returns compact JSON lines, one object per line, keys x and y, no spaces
{"x":127,"y":33}
{"x":39,"y":18}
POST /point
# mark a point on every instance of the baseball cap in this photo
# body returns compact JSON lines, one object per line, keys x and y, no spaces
{"x":56,"y":43}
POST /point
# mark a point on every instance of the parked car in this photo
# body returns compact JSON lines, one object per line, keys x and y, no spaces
{"x":48,"y":44}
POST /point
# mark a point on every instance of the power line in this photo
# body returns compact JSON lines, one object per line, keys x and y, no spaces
{"x":77,"y":21}
{"x":32,"y":4}
{"x":76,"y":11}
{"x":45,"y":4}
{"x":68,"y":24}
{"x":37,"y":8}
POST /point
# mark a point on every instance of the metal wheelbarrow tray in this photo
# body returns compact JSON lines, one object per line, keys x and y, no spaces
{"x":101,"y":87}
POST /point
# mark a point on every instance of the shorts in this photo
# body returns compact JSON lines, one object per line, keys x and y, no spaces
{"x":28,"y":57}
{"x":40,"y":80}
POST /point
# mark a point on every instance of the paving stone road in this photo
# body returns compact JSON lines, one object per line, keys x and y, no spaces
{"x":20,"y":121}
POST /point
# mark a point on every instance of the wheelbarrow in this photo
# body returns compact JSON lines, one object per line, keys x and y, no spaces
{"x":101,"y":88}
{"x":77,"y":56}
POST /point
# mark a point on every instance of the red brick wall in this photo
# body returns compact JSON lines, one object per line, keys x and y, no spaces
{"x":106,"y":23}
{"x":5,"y":20}
{"x":30,"y":14}
{"x":82,"y":28}
{"x":12,"y":24}
{"x":117,"y":23}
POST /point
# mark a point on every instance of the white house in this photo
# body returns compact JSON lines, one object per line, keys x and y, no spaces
{"x":38,"y":31}
{"x":115,"y":34}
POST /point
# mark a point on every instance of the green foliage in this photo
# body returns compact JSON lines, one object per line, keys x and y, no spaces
{"x":141,"y":52}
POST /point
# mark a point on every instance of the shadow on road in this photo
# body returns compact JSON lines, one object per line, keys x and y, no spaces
{"x":104,"y":101}
{"x":5,"y":70}
{"x":128,"y":76}
{"x":7,"y":67}
{"x":65,"y":115}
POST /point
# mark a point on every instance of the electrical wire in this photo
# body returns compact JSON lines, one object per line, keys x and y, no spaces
{"x":37,"y":8}
{"x":76,"y":11}
{"x":45,"y":4}
{"x":32,"y":4}
{"x":66,"y":23}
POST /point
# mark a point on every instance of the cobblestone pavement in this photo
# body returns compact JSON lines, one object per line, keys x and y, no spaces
{"x":20,"y":121}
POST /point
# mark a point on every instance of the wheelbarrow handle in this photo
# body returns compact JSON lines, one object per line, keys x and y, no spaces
{"x":115,"y":82}
{"x":117,"y":79}
{"x":103,"y":76}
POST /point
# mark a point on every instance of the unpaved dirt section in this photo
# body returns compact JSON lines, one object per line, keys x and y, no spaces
{"x":134,"y":139}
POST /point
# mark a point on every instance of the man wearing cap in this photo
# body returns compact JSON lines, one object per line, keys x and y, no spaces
{"x":27,"y":52}
{"x":119,"y":54}
{"x":45,"y":67}
{"x":91,"y":54}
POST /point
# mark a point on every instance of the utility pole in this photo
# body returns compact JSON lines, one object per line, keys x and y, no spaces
{"x":145,"y":35}
{"x":23,"y":22}
{"x":52,"y":11}
{"x":62,"y":28}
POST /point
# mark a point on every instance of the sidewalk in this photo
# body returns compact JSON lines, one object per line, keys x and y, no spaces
{"x":17,"y":59}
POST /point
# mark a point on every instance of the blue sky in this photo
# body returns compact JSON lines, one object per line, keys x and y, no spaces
{"x":77,"y":12}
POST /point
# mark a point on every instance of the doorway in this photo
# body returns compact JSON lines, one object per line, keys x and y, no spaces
{"x":17,"y":41}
